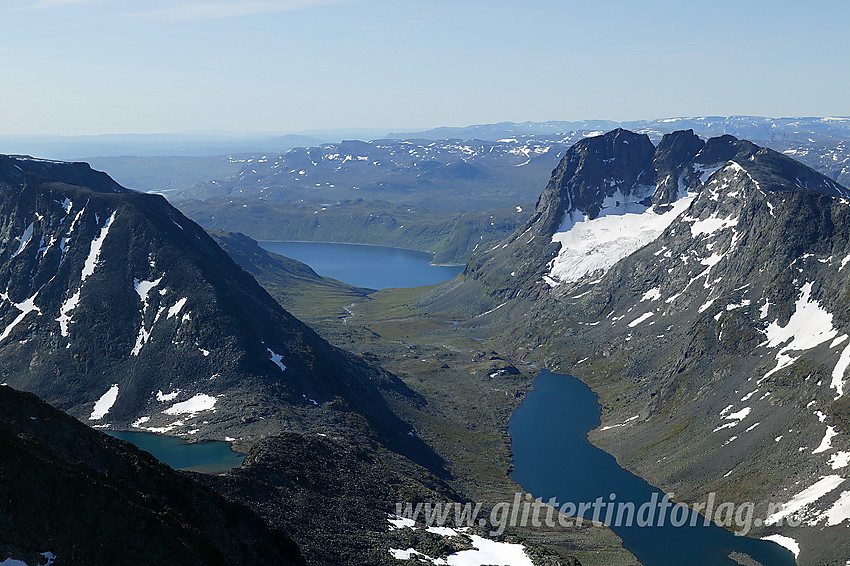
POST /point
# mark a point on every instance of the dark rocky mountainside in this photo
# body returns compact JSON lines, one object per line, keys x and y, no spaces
{"x":119,"y":310}
{"x":718,"y":343}
{"x":334,"y":494}
{"x":78,"y":496}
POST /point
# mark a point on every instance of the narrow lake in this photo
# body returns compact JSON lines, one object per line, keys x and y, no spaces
{"x":209,"y":457}
{"x":553,"y":458}
{"x":375,"y":267}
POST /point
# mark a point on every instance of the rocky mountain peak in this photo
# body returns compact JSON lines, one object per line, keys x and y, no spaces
{"x":615,"y":193}
{"x":599,"y":171}
{"x":672,"y":156}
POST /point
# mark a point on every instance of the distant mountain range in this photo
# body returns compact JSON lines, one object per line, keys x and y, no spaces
{"x":750,"y":127}
{"x":312,"y":193}
{"x":699,"y":287}
{"x":151,"y":145}
{"x":490,"y":166}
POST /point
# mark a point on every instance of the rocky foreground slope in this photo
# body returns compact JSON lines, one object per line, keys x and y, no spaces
{"x":701,"y":288}
{"x":72,"y":495}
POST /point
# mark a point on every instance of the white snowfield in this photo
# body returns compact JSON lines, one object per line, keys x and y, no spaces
{"x":826,"y":443}
{"x":198,"y":403}
{"x":276,"y":359}
{"x":178,"y":306}
{"x":787,"y":542}
{"x":143,"y":289}
{"x":24,"y":239}
{"x":64,"y":318}
{"x":102,"y":405}
{"x":15,"y":562}
{"x":801,"y":506}
{"x":622,"y":227}
{"x":808,"y":327}
{"x":640,"y":319}
{"x":94,"y":252}
{"x":485,"y":551}
{"x":839,"y":460}
{"x":165,"y":397}
{"x":26,"y":307}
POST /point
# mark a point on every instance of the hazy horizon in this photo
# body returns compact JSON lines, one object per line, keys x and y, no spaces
{"x":236,"y":134}
{"x":91,"y":67}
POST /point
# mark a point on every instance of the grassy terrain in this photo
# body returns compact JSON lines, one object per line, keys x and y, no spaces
{"x":300,"y":290}
{"x":471,"y":392}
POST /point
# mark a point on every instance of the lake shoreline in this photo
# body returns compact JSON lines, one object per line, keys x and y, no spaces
{"x":203,"y":455}
{"x":365,"y":265}
{"x":432,"y":254}
{"x":538,"y":445}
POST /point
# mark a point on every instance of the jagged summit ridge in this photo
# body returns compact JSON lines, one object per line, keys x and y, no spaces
{"x":614,"y":193}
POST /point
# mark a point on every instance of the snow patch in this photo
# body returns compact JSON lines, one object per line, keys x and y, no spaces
{"x":826,"y":443}
{"x":51,"y":558}
{"x":624,"y":423}
{"x":808,"y":327}
{"x":102,"y":405}
{"x":25,"y":307}
{"x":594,"y":245}
{"x":397,"y":522}
{"x":490,"y":552}
{"x":839,"y":370}
{"x":840,"y":510}
{"x":710,"y":225}
{"x":736,"y":417}
{"x":651,"y":295}
{"x":178,"y":306}
{"x":640,"y":319}
{"x":143,"y":289}
{"x":839,"y":460}
{"x":139,"y":422}
{"x":24,"y":239}
{"x":196,"y":404}
{"x":64,"y":319}
{"x":804,"y":498}
{"x":94,"y":252}
{"x":276,"y":359}
{"x":164,"y":397}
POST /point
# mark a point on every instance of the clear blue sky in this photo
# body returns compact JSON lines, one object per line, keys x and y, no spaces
{"x":145,"y":66}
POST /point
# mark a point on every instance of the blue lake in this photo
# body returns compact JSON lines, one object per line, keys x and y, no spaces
{"x":375,"y":267}
{"x":209,"y":456}
{"x":553,"y":458}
